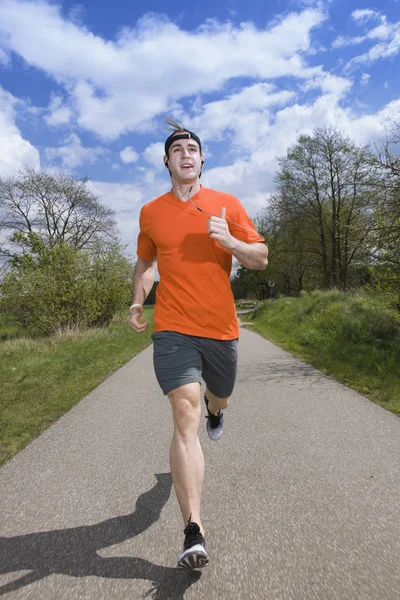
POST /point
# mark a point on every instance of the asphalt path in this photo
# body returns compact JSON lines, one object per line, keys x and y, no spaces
{"x":301,"y":496}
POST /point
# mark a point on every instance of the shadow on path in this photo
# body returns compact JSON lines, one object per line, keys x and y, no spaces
{"x":292,"y":371}
{"x":73,"y":551}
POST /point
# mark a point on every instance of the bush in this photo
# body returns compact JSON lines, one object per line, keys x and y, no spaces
{"x":62,"y":287}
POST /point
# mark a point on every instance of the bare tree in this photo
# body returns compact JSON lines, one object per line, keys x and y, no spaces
{"x":58,"y":208}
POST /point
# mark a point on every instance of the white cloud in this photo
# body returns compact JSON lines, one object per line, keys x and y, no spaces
{"x":128,"y":155}
{"x":388,"y":35}
{"x":16,"y":152}
{"x":245,"y":114}
{"x":105,"y":79}
{"x":385,"y":49}
{"x":384,"y":31}
{"x":59,"y":113}
{"x":372,"y":127}
{"x":245,"y":119}
{"x":122,"y":197}
{"x":73,"y":154}
{"x":364,"y":14}
{"x":127,"y":199}
{"x":329,"y":84}
{"x":365,"y":79}
{"x":154,"y":155}
{"x":342,"y":41}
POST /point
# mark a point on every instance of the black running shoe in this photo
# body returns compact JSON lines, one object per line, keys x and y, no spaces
{"x":215,"y":423}
{"x":194,"y":555}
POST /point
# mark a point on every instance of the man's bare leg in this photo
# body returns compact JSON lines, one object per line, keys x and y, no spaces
{"x":215,"y":403}
{"x":186,"y":455}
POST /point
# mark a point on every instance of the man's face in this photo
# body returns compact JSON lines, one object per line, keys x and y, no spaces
{"x":184,"y":160}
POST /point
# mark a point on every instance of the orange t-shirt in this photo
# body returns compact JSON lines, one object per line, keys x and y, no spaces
{"x":194,"y":295}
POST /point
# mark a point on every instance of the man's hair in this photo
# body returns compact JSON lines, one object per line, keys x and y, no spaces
{"x":177,"y":128}
{"x":174,"y":125}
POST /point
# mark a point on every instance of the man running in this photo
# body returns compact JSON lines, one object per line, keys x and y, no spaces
{"x":192,"y":233}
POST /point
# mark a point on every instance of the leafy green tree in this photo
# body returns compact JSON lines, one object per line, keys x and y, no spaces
{"x":293,"y":264}
{"x":151,"y":298}
{"x":250,"y":282}
{"x":385,"y":271}
{"x":322,"y":212}
{"x":48,"y":289}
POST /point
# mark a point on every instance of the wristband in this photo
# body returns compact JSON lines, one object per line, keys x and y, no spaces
{"x":134,"y":306}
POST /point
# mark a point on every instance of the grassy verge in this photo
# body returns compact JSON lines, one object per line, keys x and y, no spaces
{"x":354,"y":337}
{"x":42,"y":379}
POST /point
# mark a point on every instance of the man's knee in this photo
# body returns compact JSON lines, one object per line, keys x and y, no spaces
{"x":185,"y":403}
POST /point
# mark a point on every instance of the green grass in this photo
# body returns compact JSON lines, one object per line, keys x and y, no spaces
{"x":42,"y":379}
{"x":354,"y":337}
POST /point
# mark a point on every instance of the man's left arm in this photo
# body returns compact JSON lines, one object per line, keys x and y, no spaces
{"x":252,"y":256}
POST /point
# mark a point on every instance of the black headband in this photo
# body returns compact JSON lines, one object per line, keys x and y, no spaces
{"x":182,"y":136}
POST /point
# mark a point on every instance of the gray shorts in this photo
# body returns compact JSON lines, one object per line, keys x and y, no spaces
{"x":180,"y":359}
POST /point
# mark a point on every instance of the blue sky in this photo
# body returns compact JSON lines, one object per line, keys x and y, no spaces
{"x":84,"y":87}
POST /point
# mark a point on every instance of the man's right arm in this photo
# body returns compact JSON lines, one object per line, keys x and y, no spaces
{"x":143,"y":280}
